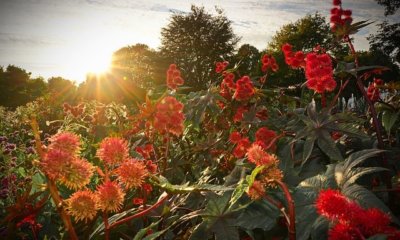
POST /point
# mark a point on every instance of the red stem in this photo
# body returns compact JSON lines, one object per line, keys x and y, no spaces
{"x":377,"y":124}
{"x":142,"y":213}
{"x":106,"y":226}
{"x":335,"y":99}
{"x":291,"y":210}
{"x":52,"y":185}
{"x":323,"y":100}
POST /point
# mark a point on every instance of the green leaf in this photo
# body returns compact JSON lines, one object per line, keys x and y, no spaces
{"x":349,"y":129}
{"x":328,"y":146}
{"x":378,"y":237}
{"x":250,"y":178}
{"x":155,"y":235}
{"x":365,"y":198}
{"x":389,"y":118}
{"x":308,"y":147}
{"x":143,"y":231}
{"x":358,"y":172}
{"x":259,"y":214}
{"x":358,"y":157}
{"x":167,"y":186}
{"x":200,"y":232}
{"x":355,"y":70}
{"x":238,"y":192}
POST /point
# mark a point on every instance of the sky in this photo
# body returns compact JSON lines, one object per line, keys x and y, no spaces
{"x":69,"y":38}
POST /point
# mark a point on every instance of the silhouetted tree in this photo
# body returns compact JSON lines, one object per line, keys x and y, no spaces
{"x":17,"y":88}
{"x":387,"y":40}
{"x":195,"y":41}
{"x":391,"y":6}
{"x":140,"y":65}
{"x":248,"y":57}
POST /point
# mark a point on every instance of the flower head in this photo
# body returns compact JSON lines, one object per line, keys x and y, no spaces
{"x":113,"y":150}
{"x":240,"y":113}
{"x":269,"y":62}
{"x":169,"y":116}
{"x":132,"y":173}
{"x":265,"y":138}
{"x":244,"y":89}
{"x":76,"y":174}
{"x":319,"y":73}
{"x":241,"y":148}
{"x":109,"y":197}
{"x":174,"y":78}
{"x":235,"y":137}
{"x":256,"y":190}
{"x":82,"y":205}
{"x":293,"y":59}
{"x":332,"y":204}
{"x":220,"y":66}
{"x":65,"y":141}
{"x":55,"y":163}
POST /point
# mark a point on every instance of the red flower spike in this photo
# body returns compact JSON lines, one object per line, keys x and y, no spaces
{"x":169,"y":116}
{"x":244,"y":89}
{"x":337,"y":2}
{"x":174,"y":78}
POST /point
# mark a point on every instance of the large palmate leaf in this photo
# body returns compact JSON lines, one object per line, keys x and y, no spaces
{"x":316,"y":127}
{"x":218,"y":220}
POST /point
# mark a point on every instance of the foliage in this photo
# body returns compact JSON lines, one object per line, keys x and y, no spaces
{"x":240,"y":160}
{"x":386,"y":40}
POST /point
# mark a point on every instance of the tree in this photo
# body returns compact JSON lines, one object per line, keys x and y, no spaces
{"x":17,"y":88}
{"x":391,"y":6}
{"x":195,"y":41}
{"x":248,"y":57}
{"x":387,"y":40}
{"x":139,"y":65}
{"x":61,"y":90}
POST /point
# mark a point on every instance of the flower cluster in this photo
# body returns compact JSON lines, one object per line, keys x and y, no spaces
{"x":318,"y":67}
{"x":319,"y":72}
{"x":373,"y":90}
{"x":339,"y":16}
{"x":174,"y":78}
{"x":110,"y":197}
{"x":220,"y":66}
{"x":269,"y":62}
{"x":293,"y":59}
{"x":132,"y":173}
{"x":62,"y":163}
{"x":244,"y":89}
{"x":352,"y":221}
{"x":266,"y":138}
{"x":169,"y":116}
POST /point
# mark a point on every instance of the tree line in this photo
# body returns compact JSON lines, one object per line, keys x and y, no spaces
{"x":195,"y":41}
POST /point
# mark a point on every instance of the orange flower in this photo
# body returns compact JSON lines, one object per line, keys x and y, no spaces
{"x":256,"y":191}
{"x":113,"y":150}
{"x":82,"y":205}
{"x":132,"y":173}
{"x":65,"y":141}
{"x":76,"y":174}
{"x":110,"y":197}
{"x":259,"y":157}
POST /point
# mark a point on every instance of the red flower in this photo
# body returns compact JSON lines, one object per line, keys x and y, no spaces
{"x":372,"y":91}
{"x":138,"y":201}
{"x":269,"y":62}
{"x":145,"y":151}
{"x":220,"y":66}
{"x":227,"y":86}
{"x":332,"y":204}
{"x":147,"y":188}
{"x":169,"y":116}
{"x":343,"y":232}
{"x":239,"y":113}
{"x":294,"y":60}
{"x":244,"y":89}
{"x":265,"y":138}
{"x":319,"y":72}
{"x":339,"y":17}
{"x":235,"y":137}
{"x":241,"y":148}
{"x":174,"y":78}
{"x":151,"y":167}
